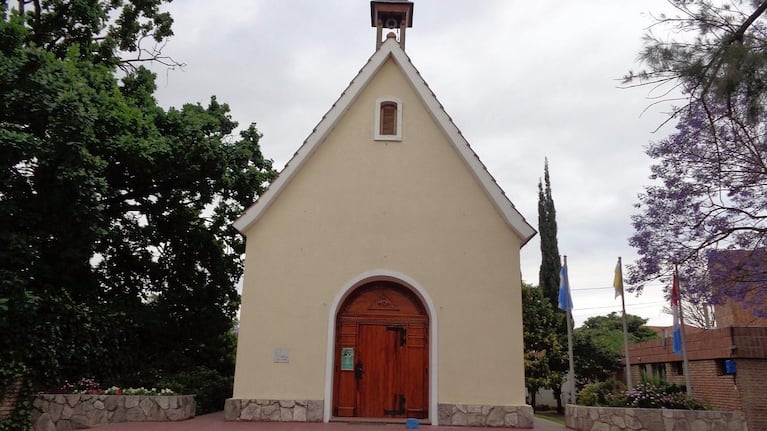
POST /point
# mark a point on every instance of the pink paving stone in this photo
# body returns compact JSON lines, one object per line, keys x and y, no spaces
{"x":216,"y":422}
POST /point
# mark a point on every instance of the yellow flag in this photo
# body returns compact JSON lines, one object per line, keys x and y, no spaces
{"x":618,"y":279}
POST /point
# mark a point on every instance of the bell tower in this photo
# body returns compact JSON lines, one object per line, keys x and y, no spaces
{"x":393,"y":15}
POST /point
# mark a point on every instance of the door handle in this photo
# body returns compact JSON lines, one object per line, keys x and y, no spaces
{"x":358,"y":371}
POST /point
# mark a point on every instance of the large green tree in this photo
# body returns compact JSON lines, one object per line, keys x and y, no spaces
{"x":540,"y":338}
{"x":117,"y":255}
{"x":548,"y":279}
{"x":548,"y":274}
{"x":598,"y":345}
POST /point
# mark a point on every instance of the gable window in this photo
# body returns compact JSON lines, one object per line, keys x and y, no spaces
{"x":388,"y":116}
{"x":388,"y":124}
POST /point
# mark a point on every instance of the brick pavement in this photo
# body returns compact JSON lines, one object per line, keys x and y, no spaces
{"x":216,"y":422}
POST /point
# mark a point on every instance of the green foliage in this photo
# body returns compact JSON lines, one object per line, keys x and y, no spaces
{"x":548,"y":279}
{"x":11,"y":374}
{"x":548,"y":274}
{"x":658,"y":393}
{"x":609,"y":329}
{"x":715,"y":54}
{"x":609,"y":393}
{"x":119,"y":260}
{"x":85,"y":385}
{"x":598,"y":345}
{"x":211,"y":387}
{"x":100,"y":29}
{"x":89,"y":385}
{"x":114,"y":390}
{"x":545,"y":353}
{"x":537,"y":318}
{"x":651,"y":393}
{"x":594,"y":359}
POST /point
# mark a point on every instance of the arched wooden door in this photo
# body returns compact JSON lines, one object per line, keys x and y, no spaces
{"x":382,"y":354}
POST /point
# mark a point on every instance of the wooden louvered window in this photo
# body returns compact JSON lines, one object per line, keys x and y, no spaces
{"x":388,"y":117}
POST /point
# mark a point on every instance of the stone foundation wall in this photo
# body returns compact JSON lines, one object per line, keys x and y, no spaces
{"x":273,"y":410}
{"x":312,"y":411}
{"x":69,"y":411}
{"x":485,"y":416}
{"x":584,"y":418}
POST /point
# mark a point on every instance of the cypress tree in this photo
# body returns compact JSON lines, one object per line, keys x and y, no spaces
{"x":548,"y":275}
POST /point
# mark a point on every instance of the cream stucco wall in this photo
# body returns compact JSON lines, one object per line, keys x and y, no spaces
{"x":411,"y":207}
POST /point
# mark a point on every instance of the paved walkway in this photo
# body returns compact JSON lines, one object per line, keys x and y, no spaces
{"x":216,"y":422}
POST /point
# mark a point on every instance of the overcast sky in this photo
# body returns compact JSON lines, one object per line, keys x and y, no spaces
{"x":522,"y":80}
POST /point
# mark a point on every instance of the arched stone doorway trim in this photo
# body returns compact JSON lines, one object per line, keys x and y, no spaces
{"x":343,"y":293}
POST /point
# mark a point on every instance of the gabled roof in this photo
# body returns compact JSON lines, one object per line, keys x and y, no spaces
{"x":389,"y":49}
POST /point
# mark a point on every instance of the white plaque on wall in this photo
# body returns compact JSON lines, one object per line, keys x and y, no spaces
{"x":281,"y":355}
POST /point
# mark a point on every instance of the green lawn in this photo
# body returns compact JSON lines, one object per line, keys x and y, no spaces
{"x":551,"y":416}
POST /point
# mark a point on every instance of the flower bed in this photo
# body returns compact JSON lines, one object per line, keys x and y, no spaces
{"x":585,"y":418}
{"x":77,"y":411}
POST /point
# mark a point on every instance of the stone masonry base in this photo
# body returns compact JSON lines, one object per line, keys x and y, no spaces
{"x":486,"y":416}
{"x":72,"y":411}
{"x":311,"y":411}
{"x":585,"y":418}
{"x":273,"y":410}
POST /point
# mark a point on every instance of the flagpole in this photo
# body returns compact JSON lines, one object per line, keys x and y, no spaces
{"x":570,"y":354}
{"x":685,"y":362}
{"x":619,"y":283}
{"x":569,"y":317}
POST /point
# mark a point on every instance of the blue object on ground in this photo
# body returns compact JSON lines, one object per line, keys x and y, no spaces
{"x":411,"y":423}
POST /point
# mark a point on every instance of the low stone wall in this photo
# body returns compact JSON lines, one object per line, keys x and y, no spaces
{"x":585,"y":418}
{"x":273,"y":410}
{"x":485,"y":416}
{"x":70,"y":411}
{"x":312,"y":411}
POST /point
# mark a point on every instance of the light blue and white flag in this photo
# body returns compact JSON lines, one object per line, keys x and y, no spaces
{"x":675,"y":306}
{"x":565,"y":300}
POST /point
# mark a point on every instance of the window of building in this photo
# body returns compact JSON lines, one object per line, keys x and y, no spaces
{"x":659,"y":371}
{"x":678,"y":368}
{"x":388,"y":115}
{"x":388,"y":124}
{"x":721,"y":367}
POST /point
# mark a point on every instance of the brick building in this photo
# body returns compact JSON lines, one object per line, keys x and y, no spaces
{"x":727,"y":366}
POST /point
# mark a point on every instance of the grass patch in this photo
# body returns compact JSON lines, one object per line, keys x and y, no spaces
{"x":551,"y":416}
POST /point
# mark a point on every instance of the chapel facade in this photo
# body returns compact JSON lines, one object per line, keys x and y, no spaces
{"x":382,"y":272}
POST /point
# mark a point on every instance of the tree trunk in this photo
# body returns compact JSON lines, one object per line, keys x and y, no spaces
{"x":558,"y":396}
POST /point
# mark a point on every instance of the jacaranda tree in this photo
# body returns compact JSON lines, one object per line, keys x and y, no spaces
{"x":709,"y":189}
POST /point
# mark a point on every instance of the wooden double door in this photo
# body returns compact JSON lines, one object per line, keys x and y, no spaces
{"x":381,"y":365}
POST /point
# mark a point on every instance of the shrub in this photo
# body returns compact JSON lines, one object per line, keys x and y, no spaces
{"x":652,"y":393}
{"x":88,"y":385}
{"x":588,"y":395}
{"x":661,"y":394}
{"x":608,"y":393}
{"x":85,"y":385}
{"x":114,"y":390}
{"x":210,"y":387}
